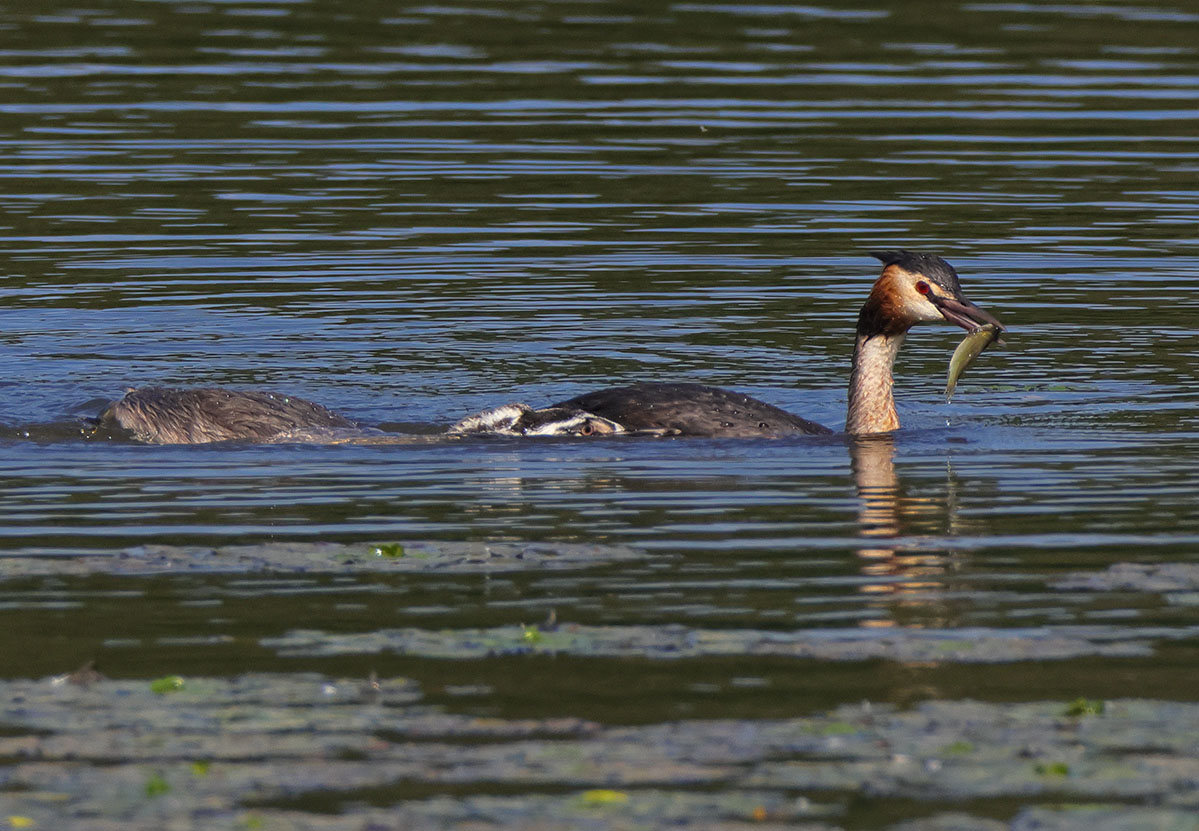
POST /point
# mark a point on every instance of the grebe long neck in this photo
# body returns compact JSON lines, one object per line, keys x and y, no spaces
{"x":871,"y":402}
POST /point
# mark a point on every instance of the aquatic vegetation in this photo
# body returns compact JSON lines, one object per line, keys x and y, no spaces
{"x":1084,"y":707}
{"x":322,"y":558}
{"x":672,"y":642}
{"x":601,"y":797}
{"x":302,"y":736}
{"x":1051,"y":769}
{"x":167,"y":684}
{"x":156,"y":785}
{"x":838,"y":728}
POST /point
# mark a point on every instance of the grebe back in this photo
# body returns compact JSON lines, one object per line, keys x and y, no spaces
{"x":690,"y":410}
{"x":161,"y":415}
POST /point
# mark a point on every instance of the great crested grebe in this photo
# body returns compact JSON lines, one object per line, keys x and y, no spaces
{"x":913,"y":288}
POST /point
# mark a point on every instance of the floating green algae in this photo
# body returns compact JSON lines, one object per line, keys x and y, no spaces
{"x":673,"y":641}
{"x":322,"y":558}
{"x":168,"y":684}
{"x":1084,"y":707}
{"x":372,"y":751}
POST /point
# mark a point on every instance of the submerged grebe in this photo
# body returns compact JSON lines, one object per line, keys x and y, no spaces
{"x":913,"y":288}
{"x":161,"y":415}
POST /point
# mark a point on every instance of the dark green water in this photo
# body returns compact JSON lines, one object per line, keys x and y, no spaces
{"x":409,"y":213}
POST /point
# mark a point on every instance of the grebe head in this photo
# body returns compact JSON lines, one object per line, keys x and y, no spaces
{"x":917,"y":288}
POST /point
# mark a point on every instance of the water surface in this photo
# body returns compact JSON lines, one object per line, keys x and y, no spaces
{"x":412,"y":213}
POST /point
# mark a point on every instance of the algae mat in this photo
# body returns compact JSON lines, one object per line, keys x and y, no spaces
{"x":304,"y":751}
{"x":316,"y":558}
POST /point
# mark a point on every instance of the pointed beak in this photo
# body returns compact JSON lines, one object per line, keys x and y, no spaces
{"x":964,"y":313}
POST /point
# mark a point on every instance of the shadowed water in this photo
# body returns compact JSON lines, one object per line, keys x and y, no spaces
{"x":410,"y":213}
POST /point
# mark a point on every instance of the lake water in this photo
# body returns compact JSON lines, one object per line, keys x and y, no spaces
{"x":409,"y":213}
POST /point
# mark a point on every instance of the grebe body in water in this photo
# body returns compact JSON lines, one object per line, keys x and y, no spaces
{"x":162,"y":415}
{"x":690,"y":410}
{"x":913,"y":288}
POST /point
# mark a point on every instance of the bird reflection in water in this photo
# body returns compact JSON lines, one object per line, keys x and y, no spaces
{"x":887,"y":517}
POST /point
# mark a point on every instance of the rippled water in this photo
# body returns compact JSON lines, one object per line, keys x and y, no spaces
{"x":411,"y":213}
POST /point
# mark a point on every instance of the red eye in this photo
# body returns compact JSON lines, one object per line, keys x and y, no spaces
{"x":922,"y":287}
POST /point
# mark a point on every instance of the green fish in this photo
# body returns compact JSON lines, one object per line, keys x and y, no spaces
{"x":970,"y":348}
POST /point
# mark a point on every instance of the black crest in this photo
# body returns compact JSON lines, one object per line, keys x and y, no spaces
{"x":928,"y":265}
